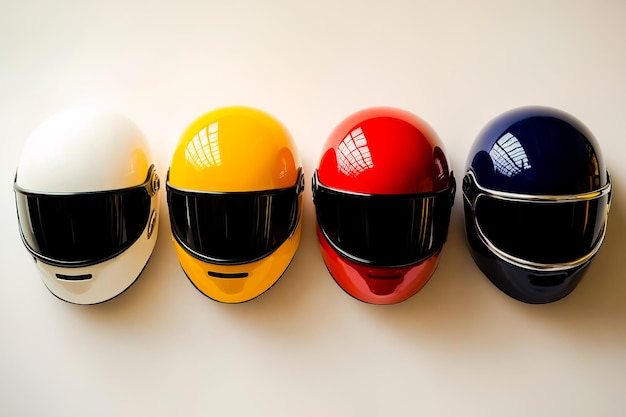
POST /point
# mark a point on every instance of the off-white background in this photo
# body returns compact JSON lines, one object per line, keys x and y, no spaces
{"x":458,"y":348}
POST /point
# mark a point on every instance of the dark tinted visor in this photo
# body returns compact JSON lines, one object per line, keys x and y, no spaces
{"x":545,"y":233}
{"x":80,"y":229}
{"x":233,"y":228}
{"x":384,"y":230}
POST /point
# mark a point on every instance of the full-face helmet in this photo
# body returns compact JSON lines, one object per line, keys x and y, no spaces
{"x":383,"y":193}
{"x":86,"y":192}
{"x":234,"y":195}
{"x":536,"y":198}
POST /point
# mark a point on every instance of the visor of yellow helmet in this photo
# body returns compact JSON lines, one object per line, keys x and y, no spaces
{"x":228,"y":228}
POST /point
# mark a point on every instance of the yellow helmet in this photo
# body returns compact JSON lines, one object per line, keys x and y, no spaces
{"x":234,"y":192}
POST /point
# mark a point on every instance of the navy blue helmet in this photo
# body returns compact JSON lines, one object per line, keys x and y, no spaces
{"x":536,"y":200}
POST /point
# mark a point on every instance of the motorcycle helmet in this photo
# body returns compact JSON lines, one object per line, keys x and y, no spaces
{"x":383,"y":193}
{"x":86,"y":192}
{"x":234,"y":196}
{"x":536,"y":201}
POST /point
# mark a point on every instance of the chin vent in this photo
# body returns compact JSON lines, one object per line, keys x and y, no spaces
{"x":551,"y":280}
{"x":225,"y":275}
{"x":83,"y":277}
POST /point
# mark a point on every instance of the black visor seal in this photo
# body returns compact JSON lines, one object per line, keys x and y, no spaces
{"x":229,"y":228}
{"x":539,"y":232}
{"x":384,"y":230}
{"x":81,"y":229}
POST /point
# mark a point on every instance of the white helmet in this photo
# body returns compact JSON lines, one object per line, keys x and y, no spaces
{"x":86,"y":190}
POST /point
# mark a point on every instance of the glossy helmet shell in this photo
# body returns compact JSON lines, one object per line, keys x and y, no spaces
{"x":87,"y":200}
{"x":536,"y":151}
{"x":237,"y":163}
{"x":383,"y":155}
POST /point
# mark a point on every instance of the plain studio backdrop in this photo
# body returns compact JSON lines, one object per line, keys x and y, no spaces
{"x":460,"y":347}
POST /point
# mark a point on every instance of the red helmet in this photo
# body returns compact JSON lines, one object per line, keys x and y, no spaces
{"x":383,"y":193}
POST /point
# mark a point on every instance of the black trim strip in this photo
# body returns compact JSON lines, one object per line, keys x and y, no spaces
{"x":152,"y":184}
{"x":298,"y":188}
{"x":449,"y":192}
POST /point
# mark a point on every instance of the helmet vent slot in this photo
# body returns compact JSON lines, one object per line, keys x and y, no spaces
{"x":551,"y":280}
{"x":82,"y":277}
{"x":226,"y":275}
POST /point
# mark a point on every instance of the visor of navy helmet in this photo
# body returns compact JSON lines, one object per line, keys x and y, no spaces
{"x":86,"y":192}
{"x":383,"y":192}
{"x":234,"y":195}
{"x":536,"y":198}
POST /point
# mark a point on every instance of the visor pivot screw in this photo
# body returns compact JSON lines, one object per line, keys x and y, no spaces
{"x":156,"y":183}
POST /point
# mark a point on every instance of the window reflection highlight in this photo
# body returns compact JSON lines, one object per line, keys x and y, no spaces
{"x":594,"y":168}
{"x":508,"y":155}
{"x":203,"y":149}
{"x":354,"y":155}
